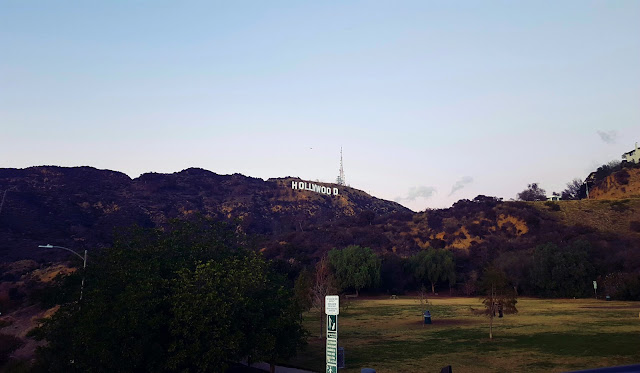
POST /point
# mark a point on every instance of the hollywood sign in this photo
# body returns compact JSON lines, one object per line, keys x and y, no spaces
{"x":303,"y":185}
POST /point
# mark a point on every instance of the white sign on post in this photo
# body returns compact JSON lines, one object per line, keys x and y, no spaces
{"x":332,"y":308}
{"x":332,"y":305}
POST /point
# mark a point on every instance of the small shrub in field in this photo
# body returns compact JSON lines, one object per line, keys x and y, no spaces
{"x":434,"y":221}
{"x":622,"y":177}
{"x":635,"y":225}
{"x":450,"y":228}
{"x":553,"y":206}
{"x":620,"y":206}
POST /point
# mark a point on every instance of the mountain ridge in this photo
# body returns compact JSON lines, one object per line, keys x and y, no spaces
{"x":82,"y":208}
{"x":82,"y":205}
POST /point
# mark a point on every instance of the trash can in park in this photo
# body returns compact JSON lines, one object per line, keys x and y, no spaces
{"x":427,"y":317}
{"x":340,"y":357}
{"x":367,"y":370}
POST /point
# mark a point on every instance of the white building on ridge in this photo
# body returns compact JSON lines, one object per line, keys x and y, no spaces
{"x":632,"y":156}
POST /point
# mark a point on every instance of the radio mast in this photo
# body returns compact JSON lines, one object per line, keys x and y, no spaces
{"x":340,"y":180}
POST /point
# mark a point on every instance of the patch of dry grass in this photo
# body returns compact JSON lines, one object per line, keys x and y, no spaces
{"x":602,"y":215}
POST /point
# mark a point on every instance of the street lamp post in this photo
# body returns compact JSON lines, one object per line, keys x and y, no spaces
{"x":84,"y":260}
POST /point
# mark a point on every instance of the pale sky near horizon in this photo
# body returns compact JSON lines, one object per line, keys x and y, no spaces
{"x":431,"y":101}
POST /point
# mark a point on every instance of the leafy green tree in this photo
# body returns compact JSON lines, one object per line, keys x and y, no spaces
{"x":498,"y":295}
{"x":433,"y":265}
{"x":562,"y":272}
{"x":516,"y":265}
{"x":187,"y":298}
{"x":242,"y":304}
{"x":355,"y":267}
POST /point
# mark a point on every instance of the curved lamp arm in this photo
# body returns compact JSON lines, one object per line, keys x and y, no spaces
{"x":84,"y":259}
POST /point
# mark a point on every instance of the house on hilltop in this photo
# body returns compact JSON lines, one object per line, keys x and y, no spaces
{"x":632,"y":156}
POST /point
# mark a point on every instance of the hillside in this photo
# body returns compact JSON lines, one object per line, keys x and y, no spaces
{"x":82,"y":207}
{"x":621,"y":184}
{"x":478,"y":230}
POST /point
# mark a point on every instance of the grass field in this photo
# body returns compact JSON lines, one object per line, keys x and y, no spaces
{"x":546,"y":335}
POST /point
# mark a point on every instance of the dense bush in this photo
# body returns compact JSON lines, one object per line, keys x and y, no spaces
{"x":615,"y":167}
{"x":620,"y":206}
{"x":553,"y":206}
{"x":394,"y":274}
{"x":434,"y":220}
{"x":622,"y":177}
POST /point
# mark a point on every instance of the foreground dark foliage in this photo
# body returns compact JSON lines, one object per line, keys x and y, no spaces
{"x":187,"y":299}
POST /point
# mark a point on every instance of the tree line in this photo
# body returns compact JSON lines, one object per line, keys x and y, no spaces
{"x":197,"y":296}
{"x":545,"y":270}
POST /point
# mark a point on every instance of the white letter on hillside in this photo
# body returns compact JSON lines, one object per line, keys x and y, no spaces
{"x":335,"y":191}
{"x":294,"y":185}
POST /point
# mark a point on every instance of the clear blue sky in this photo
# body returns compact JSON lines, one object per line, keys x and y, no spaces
{"x":421,"y":95}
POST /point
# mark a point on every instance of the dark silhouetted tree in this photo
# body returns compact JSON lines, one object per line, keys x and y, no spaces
{"x":393,"y":276}
{"x":323,"y":285}
{"x":562,"y":271}
{"x":303,"y":289}
{"x":533,"y":193}
{"x":573,"y":190}
{"x":515,"y":265}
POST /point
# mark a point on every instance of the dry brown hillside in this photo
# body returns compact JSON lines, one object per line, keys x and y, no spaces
{"x":605,"y":216}
{"x":619,"y":185}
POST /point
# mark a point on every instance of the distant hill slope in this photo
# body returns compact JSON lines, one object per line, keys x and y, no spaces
{"x":81,"y":206}
{"x":477,"y":230}
{"x":622,"y":184}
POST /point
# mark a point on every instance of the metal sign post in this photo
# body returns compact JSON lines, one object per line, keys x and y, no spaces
{"x":332,"y":309}
{"x":595,"y":289}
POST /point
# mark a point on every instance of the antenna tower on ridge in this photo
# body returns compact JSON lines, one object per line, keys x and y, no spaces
{"x":340,"y":180}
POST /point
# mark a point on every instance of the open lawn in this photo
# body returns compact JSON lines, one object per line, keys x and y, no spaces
{"x":546,"y":335}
